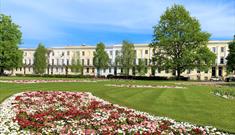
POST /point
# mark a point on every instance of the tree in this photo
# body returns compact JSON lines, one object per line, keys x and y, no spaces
{"x":231,"y":57}
{"x":76,"y":64}
{"x":40,"y":59}
{"x":101,"y":58}
{"x":179,"y":42}
{"x":127,"y":56}
{"x":141,"y":67}
{"x":10,"y":38}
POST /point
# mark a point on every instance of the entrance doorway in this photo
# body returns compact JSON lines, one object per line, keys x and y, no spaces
{"x":213,"y":71}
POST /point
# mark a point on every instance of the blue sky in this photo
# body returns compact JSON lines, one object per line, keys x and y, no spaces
{"x":75,"y":22}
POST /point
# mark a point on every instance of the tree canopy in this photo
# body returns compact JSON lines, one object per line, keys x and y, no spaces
{"x":76,"y":64}
{"x":231,"y":57}
{"x":127,"y":56}
{"x":10,"y":38}
{"x":179,"y":43}
{"x":101,"y":58}
{"x":40,"y":59}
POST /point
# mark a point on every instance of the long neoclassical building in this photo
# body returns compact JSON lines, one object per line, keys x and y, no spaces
{"x":60,"y":57}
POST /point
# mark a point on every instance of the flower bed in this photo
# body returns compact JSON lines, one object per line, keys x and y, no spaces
{"x":42,"y":81}
{"x":144,"y":86}
{"x":82,"y":113}
{"x":227,"y":94}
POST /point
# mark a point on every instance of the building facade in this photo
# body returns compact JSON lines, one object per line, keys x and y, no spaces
{"x":59,"y":59}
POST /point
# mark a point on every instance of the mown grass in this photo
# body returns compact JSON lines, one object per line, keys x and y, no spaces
{"x":195,"y":104}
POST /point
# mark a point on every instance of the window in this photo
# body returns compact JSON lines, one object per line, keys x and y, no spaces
{"x":53,"y":53}
{"x":20,"y":69}
{"x":88,"y":62}
{"x":56,"y":69}
{"x":213,"y":49}
{"x":62,"y":69}
{"x":83,"y":62}
{"x":29,"y":61}
{"x":25,"y":61}
{"x":110,"y":70}
{"x":83,"y":53}
{"x":52,"y":62}
{"x":25,"y":54}
{"x":146,"y":61}
{"x":135,"y":52}
{"x":29,"y":69}
{"x":93,"y":70}
{"x":111,"y":53}
{"x":68,"y":53}
{"x":104,"y":70}
{"x":198,"y":71}
{"x":67,"y":62}
{"x":222,"y":60}
{"x":87,"y":70}
{"x":57,"y":61}
{"x":222,"y":49}
{"x":62,"y":62}
{"x":134,"y":62}
{"x":62,"y":53}
{"x":146,"y":51}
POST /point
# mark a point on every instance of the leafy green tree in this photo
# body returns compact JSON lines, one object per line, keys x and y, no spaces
{"x":179,"y":42}
{"x":231,"y":57}
{"x":141,"y":67}
{"x":101,"y":58}
{"x":127,"y":57}
{"x":10,"y":38}
{"x":40,"y":59}
{"x":76,"y":64}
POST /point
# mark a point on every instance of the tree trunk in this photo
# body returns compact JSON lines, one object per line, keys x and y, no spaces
{"x":1,"y":71}
{"x":178,"y":73}
{"x":98,"y":72}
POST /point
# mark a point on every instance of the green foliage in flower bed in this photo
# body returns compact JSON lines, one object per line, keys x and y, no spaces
{"x":195,"y":104}
{"x":225,"y":93}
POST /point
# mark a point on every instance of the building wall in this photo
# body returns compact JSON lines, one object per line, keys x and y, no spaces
{"x":60,"y":58}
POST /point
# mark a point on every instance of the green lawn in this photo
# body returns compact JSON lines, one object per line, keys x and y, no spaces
{"x":196,"y":104}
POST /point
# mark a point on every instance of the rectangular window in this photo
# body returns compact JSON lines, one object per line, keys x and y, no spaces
{"x":93,"y":70}
{"x":25,"y":54}
{"x":68,"y":53}
{"x":57,"y":69}
{"x":146,"y":51}
{"x":222,"y":60}
{"x":67,"y":62}
{"x":87,"y":70}
{"x":88,"y":62}
{"x":62,"y":69}
{"x":29,"y":69}
{"x":146,"y":61}
{"x":213,"y":49}
{"x":83,"y":62}
{"x":222,"y":49}
{"x":62,"y":61}
{"x":83,"y":53}
{"x":52,"y":62}
{"x":111,"y":53}
{"x":29,"y":61}
{"x":198,"y":71}
{"x":25,"y":61}
{"x":57,"y":61}
{"x":62,"y":53}
{"x":104,"y":70}
{"x":20,"y":69}
{"x":110,"y":70}
{"x":53,"y":53}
